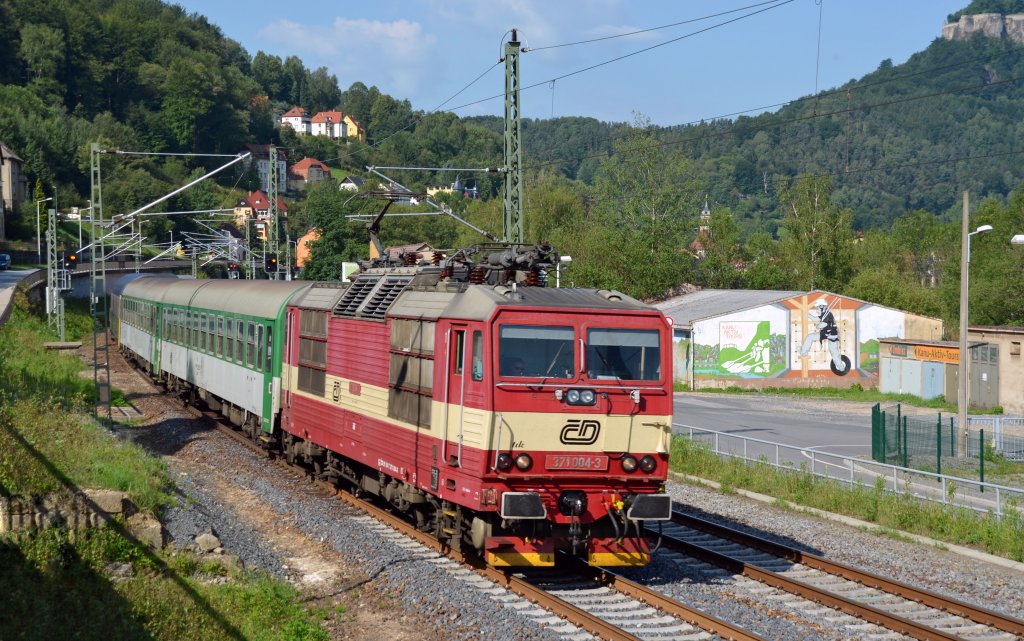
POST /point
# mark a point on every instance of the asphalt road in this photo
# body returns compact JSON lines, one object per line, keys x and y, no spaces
{"x":831,"y":426}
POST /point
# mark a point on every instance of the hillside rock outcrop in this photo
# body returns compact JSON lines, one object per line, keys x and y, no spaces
{"x":993,"y":25}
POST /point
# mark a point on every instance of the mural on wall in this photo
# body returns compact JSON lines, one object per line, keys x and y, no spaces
{"x":818,"y":334}
{"x":873,"y":323}
{"x":748,"y":344}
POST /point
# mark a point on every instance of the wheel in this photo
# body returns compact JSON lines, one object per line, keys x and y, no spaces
{"x":846,"y":366}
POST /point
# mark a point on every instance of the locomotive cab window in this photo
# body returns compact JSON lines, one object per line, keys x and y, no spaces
{"x":478,"y":355}
{"x":536,"y":351}
{"x":624,"y":354}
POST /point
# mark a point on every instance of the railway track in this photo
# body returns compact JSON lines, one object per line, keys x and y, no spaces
{"x":600,"y":602}
{"x":902,"y":608}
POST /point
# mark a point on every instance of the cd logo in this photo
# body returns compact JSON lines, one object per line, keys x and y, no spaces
{"x":580,"y":432}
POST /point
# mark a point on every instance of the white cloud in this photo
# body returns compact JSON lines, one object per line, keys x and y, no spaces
{"x":392,"y":55}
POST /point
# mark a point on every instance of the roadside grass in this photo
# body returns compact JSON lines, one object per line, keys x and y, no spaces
{"x":57,"y":582}
{"x":1002,"y":537}
{"x":56,"y":585}
{"x":853,"y":393}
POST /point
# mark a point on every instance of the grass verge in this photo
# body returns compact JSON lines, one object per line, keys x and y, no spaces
{"x":1003,"y":537}
{"x":97,"y":584}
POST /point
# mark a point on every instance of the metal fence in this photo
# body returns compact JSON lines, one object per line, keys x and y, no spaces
{"x":1004,"y":434}
{"x":942,"y":488}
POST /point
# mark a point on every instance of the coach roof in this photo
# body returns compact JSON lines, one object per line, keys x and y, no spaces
{"x":252,"y":298}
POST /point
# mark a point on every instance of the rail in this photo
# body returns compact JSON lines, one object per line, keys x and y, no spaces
{"x":946,"y":489}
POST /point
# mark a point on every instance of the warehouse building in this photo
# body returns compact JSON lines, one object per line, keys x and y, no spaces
{"x":766,"y":338}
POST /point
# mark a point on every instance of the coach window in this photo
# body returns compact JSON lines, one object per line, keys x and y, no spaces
{"x":270,"y":348}
{"x":250,"y":348}
{"x":239,"y":337}
{"x":220,"y":336}
{"x":259,"y":347}
{"x":478,"y":355}
{"x":229,"y":338}
{"x":204,"y":332}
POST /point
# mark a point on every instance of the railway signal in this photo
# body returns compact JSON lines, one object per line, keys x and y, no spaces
{"x":270,"y":263}
{"x":70,"y":261}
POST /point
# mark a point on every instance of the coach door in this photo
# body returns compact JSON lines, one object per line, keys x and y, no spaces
{"x":455,"y":394}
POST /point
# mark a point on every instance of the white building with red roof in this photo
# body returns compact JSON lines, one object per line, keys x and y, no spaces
{"x":298,"y":119}
{"x":261,"y":155}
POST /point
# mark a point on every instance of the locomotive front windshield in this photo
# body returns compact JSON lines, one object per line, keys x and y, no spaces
{"x":623,"y":354}
{"x":549,"y":351}
{"x":536,"y":350}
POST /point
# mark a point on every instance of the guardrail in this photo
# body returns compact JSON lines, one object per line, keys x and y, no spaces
{"x":856,"y":472}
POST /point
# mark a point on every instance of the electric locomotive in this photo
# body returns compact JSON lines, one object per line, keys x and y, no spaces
{"x":498,"y":413}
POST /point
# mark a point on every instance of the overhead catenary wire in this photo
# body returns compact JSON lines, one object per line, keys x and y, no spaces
{"x":650,"y":29}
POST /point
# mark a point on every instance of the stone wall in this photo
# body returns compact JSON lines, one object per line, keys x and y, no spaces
{"x":993,"y":25}
{"x":90,"y":508}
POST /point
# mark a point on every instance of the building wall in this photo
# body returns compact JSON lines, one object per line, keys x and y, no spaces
{"x":818,"y":339}
{"x":1010,"y":363}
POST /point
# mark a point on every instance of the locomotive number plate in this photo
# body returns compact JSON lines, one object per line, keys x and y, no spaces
{"x":576,"y":462}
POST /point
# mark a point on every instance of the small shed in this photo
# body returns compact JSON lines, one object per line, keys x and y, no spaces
{"x":930,"y":369}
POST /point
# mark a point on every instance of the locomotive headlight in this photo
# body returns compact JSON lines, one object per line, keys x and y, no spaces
{"x":504,"y":462}
{"x":647,"y":463}
{"x":524,"y":462}
{"x":580,"y":397}
{"x":628,"y":463}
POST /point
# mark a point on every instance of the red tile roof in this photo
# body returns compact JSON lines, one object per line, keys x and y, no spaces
{"x":258,"y":200}
{"x":263,"y":152}
{"x":335,"y":116}
{"x":302,"y":167}
{"x":296,"y":112}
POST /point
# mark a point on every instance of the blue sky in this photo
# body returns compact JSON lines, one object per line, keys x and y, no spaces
{"x":427,"y":50}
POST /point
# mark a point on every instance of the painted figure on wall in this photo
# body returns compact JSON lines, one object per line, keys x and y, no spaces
{"x":828,"y":334}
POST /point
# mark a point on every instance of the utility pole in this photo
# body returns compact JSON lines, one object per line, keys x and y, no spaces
{"x":272,"y":235}
{"x":98,"y":291}
{"x":513,"y":204}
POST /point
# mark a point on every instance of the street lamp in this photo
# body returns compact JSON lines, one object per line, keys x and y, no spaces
{"x":39,"y":244}
{"x":558,"y":269}
{"x":964,"y":385}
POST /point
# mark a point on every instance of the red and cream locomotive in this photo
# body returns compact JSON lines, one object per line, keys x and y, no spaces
{"x":498,"y":413}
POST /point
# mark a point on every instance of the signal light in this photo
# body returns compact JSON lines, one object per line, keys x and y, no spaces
{"x":628,"y":463}
{"x":648,"y":463}
{"x":70,"y":261}
{"x":524,"y":462}
{"x":270,"y":262}
{"x":233,"y":267}
{"x":504,"y":462}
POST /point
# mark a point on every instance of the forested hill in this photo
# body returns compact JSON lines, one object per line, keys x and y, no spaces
{"x":143,"y":74}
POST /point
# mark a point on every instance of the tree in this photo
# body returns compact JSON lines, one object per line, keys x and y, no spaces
{"x":186,"y":100}
{"x":322,"y":90}
{"x":326,"y":210}
{"x":817,"y":235}
{"x":270,"y":74}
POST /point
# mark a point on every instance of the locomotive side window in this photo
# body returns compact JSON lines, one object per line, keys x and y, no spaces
{"x":624,"y":354}
{"x":536,"y":350}
{"x":312,"y":352}
{"x":458,"y":351}
{"x":478,"y":355}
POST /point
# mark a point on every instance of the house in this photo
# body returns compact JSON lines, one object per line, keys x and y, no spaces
{"x":302,"y":249}
{"x":330,"y":124}
{"x":234,"y":243}
{"x":423,"y":250}
{"x":353,"y":129}
{"x":260,"y":154}
{"x":763,"y":338}
{"x":13,"y":184}
{"x":351,"y":183}
{"x":298,"y":119}
{"x":307,"y":171}
{"x":256,"y":207}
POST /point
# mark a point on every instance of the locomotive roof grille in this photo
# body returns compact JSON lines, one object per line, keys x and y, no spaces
{"x":355,"y":295}
{"x":384,"y":295}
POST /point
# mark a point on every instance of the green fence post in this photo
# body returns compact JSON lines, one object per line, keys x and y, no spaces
{"x":885,"y":423}
{"x":952,"y":438}
{"x":938,"y":445}
{"x":981,"y":456}
{"x":906,"y":461}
